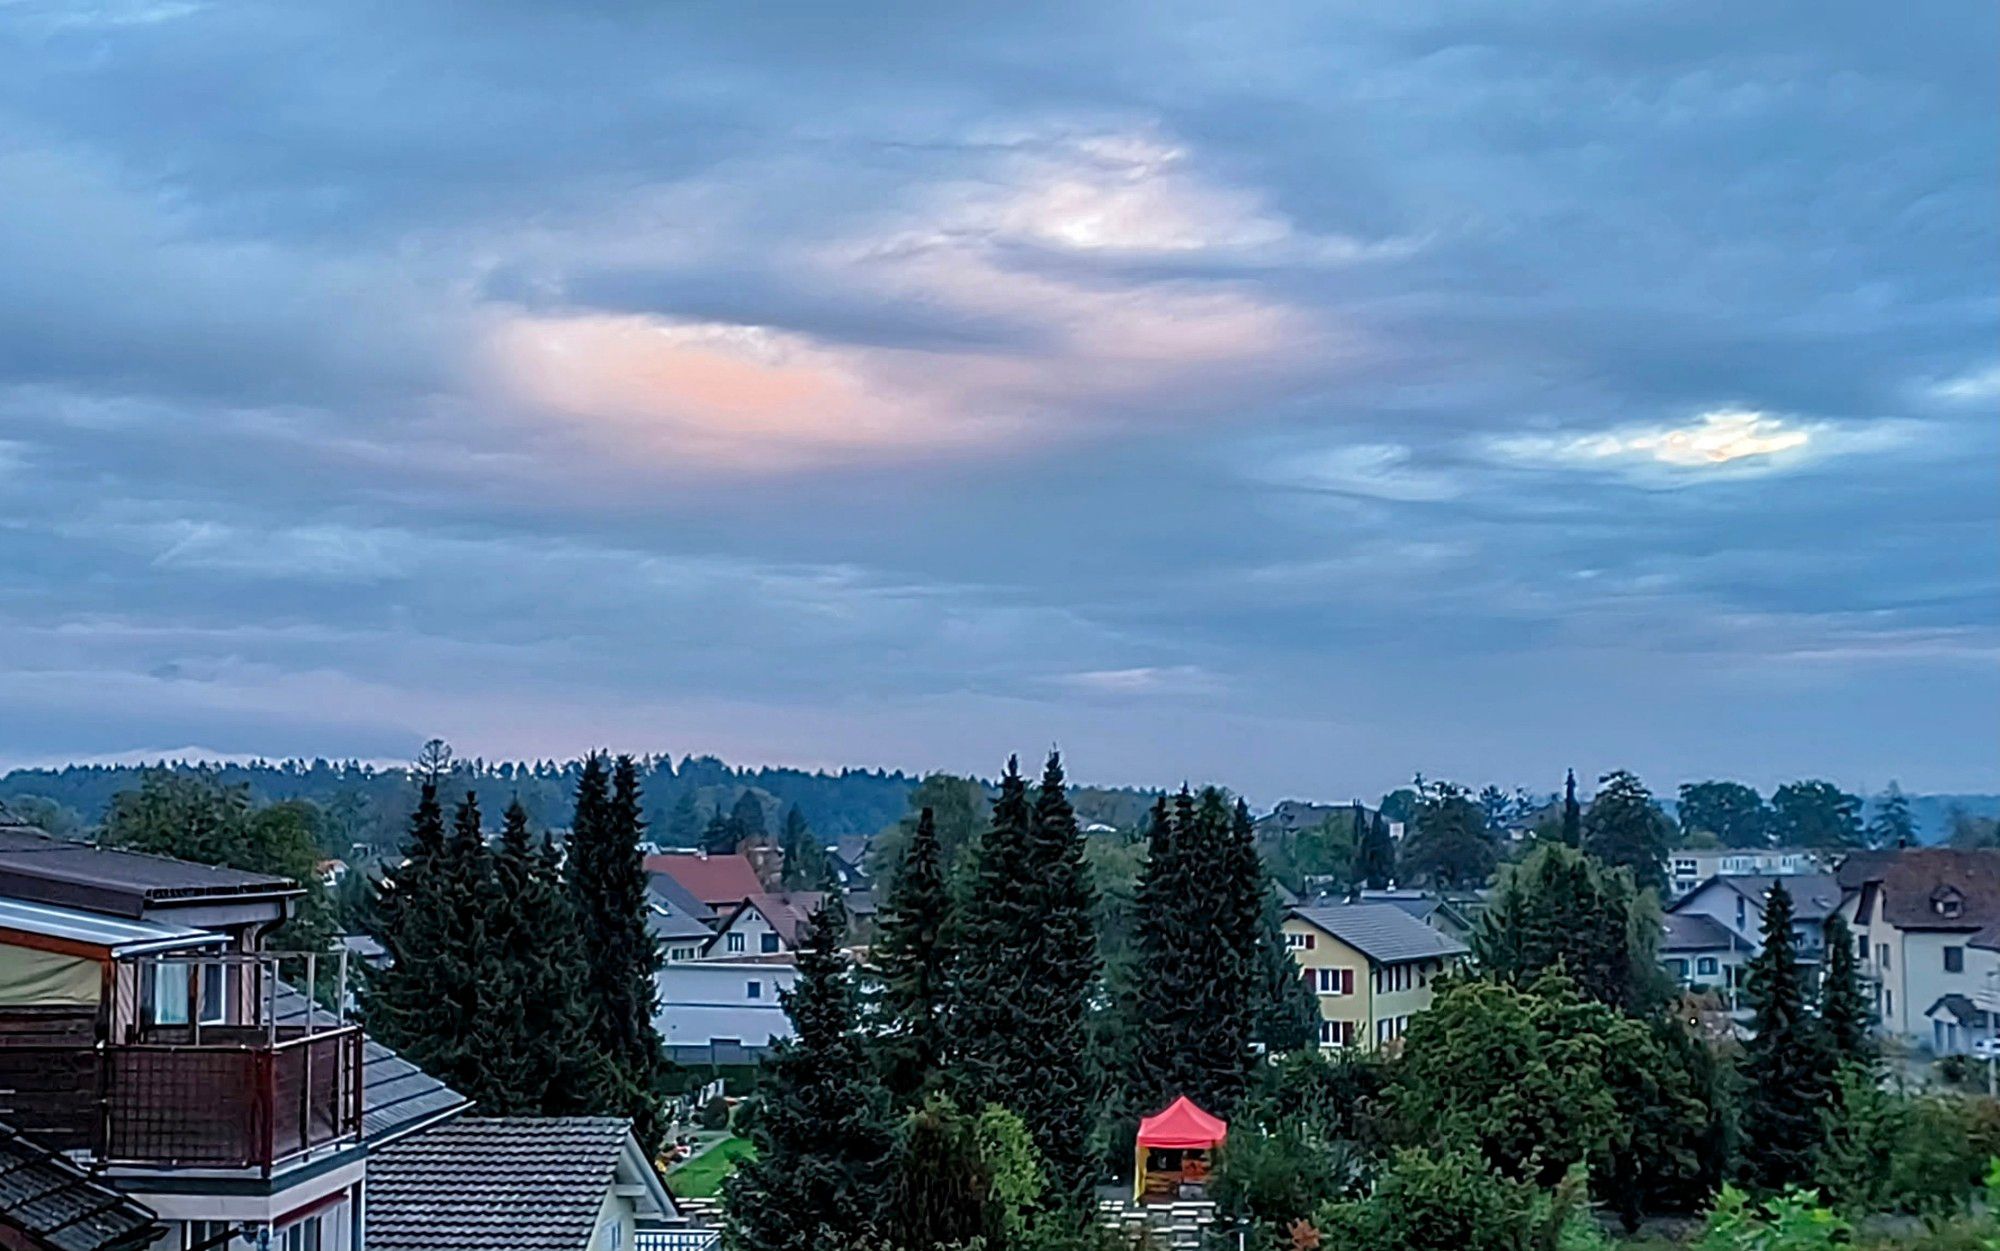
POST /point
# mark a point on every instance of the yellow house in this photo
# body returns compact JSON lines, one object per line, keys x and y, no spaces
{"x":1370,"y":965}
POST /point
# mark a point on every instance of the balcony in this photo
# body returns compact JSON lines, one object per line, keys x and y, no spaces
{"x":241,"y":1093}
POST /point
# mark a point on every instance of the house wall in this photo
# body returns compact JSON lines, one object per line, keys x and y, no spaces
{"x":1744,"y":917}
{"x":1379,"y":1009}
{"x":703,"y":1000}
{"x":617,"y":1223}
{"x":752,"y":926}
{"x":1905,"y":969}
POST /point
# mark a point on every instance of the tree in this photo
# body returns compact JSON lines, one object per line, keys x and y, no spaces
{"x":1891,"y":826}
{"x":820,"y":1131}
{"x":1844,"y":1015}
{"x":1428,"y":1198}
{"x":722,"y":835}
{"x":959,"y":811}
{"x":1287,"y":1010}
{"x":1626,"y":828}
{"x":748,"y":816}
{"x":1785,"y":1065}
{"x":1731,"y":811}
{"x":1815,"y":814}
{"x":1572,"y":814}
{"x":607,"y":883}
{"x":1028,"y":969}
{"x":538,"y":1009}
{"x":913,"y":960}
{"x":807,"y":866}
{"x":1447,"y":846}
{"x":1561,"y":909}
{"x":432,"y":1000}
{"x":1375,"y":854}
{"x":194,"y":815}
{"x":938,"y":1186}
{"x":684,"y":823}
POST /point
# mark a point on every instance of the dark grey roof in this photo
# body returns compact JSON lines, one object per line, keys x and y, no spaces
{"x":506,"y":1183}
{"x":1962,"y":1009}
{"x":1815,"y":896}
{"x":57,"y":1204}
{"x":396,"y":1096}
{"x":45,"y":869}
{"x":677,"y":898}
{"x":670,"y":924}
{"x":1691,"y":931}
{"x":1382,"y":932}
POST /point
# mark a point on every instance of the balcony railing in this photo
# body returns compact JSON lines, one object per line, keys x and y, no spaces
{"x":248,"y":1102}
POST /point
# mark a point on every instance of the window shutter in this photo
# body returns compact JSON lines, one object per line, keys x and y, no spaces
{"x":1311,"y":942}
{"x":1347,"y":981}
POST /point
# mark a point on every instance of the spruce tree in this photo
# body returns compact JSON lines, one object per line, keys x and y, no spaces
{"x":1844,"y":1016}
{"x":1627,"y":829}
{"x":1375,"y":852}
{"x":1572,"y":818}
{"x":748,"y":815}
{"x":1029,"y":966}
{"x":1786,"y":1066}
{"x":607,"y":882}
{"x":913,"y":959}
{"x":684,"y":821}
{"x":554,"y":1065}
{"x":411,"y":924}
{"x":1560,"y":907}
{"x":1284,"y":1013}
{"x":820,"y":1131}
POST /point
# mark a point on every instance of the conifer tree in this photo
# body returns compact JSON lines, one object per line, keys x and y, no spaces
{"x":684,"y":821}
{"x":821,"y":1134}
{"x":1284,"y":1014}
{"x":913,"y":958}
{"x":1627,"y":829}
{"x":396,"y":1001}
{"x":1560,"y":907}
{"x":748,"y":815}
{"x":1029,"y":966}
{"x":607,"y":881}
{"x":553,"y":1065}
{"x":1375,"y":853}
{"x":1844,"y":1016}
{"x":1572,"y":818}
{"x":1786,"y":1066}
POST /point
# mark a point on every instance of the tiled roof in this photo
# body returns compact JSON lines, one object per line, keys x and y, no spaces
{"x":45,"y":869}
{"x":1692,"y":931}
{"x":504,"y":1183}
{"x":1912,"y":883}
{"x":396,"y":1096}
{"x":1382,"y":932}
{"x":57,"y":1204}
{"x":1815,"y":896}
{"x":717,"y":881}
{"x":674,"y":897}
{"x":1961,"y":1009}
{"x":670,"y":924}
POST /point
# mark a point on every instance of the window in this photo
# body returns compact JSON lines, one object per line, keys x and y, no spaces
{"x":614,"y":1235}
{"x":684,"y":953}
{"x":733,"y":943}
{"x":1882,"y":956}
{"x":207,"y":1235}
{"x":767,"y":943}
{"x":1685,"y":868}
{"x":1295,"y":941}
{"x":1334,"y":981}
{"x":1336,"y":1033}
{"x":1678,"y":968}
{"x":303,"y":1236}
{"x":1742,"y":916}
{"x":1861,"y":946}
{"x":167,"y":993}
{"x":1954,"y":959}
{"x":753,"y":990}
{"x":1707,"y":966}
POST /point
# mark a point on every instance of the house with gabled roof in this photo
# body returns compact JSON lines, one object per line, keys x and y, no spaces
{"x":1369,"y":966}
{"x":1926,"y":923}
{"x":763,"y":925}
{"x":719,"y":881}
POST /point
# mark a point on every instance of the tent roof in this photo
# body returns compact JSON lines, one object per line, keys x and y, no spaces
{"x":1182,"y":1125}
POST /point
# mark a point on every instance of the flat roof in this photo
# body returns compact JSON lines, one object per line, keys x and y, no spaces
{"x":39,"y":866}
{"x":119,"y":936}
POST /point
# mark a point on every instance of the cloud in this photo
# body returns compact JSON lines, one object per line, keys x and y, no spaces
{"x":1725,"y":438}
{"x":1143,"y":680}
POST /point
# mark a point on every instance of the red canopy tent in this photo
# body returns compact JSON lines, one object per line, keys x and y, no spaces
{"x":1172,"y":1150}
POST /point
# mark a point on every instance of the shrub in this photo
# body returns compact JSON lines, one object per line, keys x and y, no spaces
{"x":715,"y":1113}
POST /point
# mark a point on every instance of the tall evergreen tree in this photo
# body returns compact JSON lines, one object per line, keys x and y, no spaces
{"x":1560,"y":907}
{"x":554,"y":1065}
{"x":748,"y":814}
{"x":1028,"y":969}
{"x":1572,"y":817}
{"x":1284,"y":1013}
{"x":722,"y":835}
{"x":821,"y":1132}
{"x":1627,"y":829}
{"x":1844,"y":1016}
{"x":684,"y":823}
{"x":913,"y":958}
{"x":1892,"y":826}
{"x":607,"y":881}
{"x":807,"y":866}
{"x":1375,"y":852}
{"x":1786,"y":1066}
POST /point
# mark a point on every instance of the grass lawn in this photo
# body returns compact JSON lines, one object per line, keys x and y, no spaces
{"x":701,"y":1177}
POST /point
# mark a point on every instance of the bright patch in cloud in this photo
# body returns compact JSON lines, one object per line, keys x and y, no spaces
{"x":1715,"y":439}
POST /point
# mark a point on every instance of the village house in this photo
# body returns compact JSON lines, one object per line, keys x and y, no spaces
{"x":1736,"y":903}
{"x":724,"y":1012}
{"x":1689,"y":867}
{"x":1926,"y":925}
{"x":1370,"y":967}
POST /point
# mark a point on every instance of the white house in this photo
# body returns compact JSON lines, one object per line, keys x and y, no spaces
{"x":723,"y":1011}
{"x":1926,"y":925}
{"x":1689,"y":867}
{"x":1736,"y":903}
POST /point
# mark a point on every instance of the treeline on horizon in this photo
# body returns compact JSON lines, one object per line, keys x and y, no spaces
{"x":370,"y":804}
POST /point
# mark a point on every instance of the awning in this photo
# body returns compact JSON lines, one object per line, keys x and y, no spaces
{"x":1183,"y":1126}
{"x":117,"y":936}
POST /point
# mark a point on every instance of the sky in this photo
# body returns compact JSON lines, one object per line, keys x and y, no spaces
{"x":1295,"y":396}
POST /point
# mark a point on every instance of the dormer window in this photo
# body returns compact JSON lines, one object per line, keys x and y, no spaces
{"x":1948,"y":902}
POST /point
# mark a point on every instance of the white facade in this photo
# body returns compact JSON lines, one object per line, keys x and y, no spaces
{"x":1689,"y":867}
{"x":703,"y":1002}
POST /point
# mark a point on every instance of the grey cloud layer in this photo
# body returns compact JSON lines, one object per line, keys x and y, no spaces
{"x":1292,"y":397}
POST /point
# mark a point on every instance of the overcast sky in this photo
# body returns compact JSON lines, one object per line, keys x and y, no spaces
{"x":1294,"y":396}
